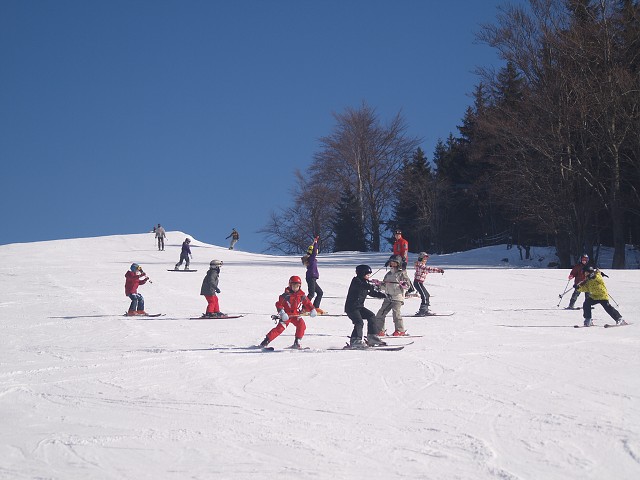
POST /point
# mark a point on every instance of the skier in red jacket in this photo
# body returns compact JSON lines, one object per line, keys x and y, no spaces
{"x":401,"y":248}
{"x":578,"y":275}
{"x":289,"y":305}
{"x":133,"y":278}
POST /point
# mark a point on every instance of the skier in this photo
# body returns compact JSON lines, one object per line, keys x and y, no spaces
{"x":185,"y":254}
{"x":289,"y":305}
{"x":401,"y":248}
{"x":234,"y":236}
{"x":418,"y":282}
{"x":577,"y":273}
{"x":312,"y":276}
{"x":595,"y":287}
{"x":160,"y":235}
{"x":354,"y":308}
{"x":395,"y":283}
{"x":133,"y":278}
{"x":210,"y":288}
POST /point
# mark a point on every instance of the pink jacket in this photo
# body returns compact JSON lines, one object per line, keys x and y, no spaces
{"x":422,"y":270}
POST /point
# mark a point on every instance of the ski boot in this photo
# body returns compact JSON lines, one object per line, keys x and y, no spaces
{"x":620,"y":321}
{"x":398,"y":333}
{"x":296,"y":344}
{"x":357,"y":344}
{"x":588,"y":322}
{"x":374,"y":341}
{"x":264,"y":342}
{"x":423,"y":311}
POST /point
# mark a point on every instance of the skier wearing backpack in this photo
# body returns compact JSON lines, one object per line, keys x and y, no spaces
{"x":289,"y":306}
{"x":210,"y":288}
{"x":134,"y":278}
{"x":354,"y":308}
{"x":594,"y":285}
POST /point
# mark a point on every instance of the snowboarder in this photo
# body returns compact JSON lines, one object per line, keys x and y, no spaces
{"x":185,"y":254}
{"x":289,"y":305}
{"x":234,"y":236}
{"x":595,"y":287}
{"x":312,"y":276}
{"x":395,"y":283}
{"x":577,"y":273}
{"x":210,"y":288}
{"x":418,"y":282}
{"x":160,"y":235}
{"x":133,"y":278}
{"x":354,"y":308}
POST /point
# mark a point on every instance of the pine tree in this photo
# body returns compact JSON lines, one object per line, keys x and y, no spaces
{"x":347,"y":226}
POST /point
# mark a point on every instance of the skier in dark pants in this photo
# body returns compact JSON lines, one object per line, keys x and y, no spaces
{"x":312,"y":276}
{"x":356,"y":311}
{"x":595,"y":287}
{"x":185,"y":254}
{"x":577,"y":273}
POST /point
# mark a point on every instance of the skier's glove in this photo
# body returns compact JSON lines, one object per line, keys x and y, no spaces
{"x":217,"y":290}
{"x":313,"y":313}
{"x":283,"y":315}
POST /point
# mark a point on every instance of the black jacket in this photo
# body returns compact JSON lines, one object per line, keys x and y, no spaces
{"x":358,"y":291}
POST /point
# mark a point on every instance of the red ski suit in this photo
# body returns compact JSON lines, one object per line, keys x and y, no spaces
{"x":132,"y":281}
{"x":292,"y":303}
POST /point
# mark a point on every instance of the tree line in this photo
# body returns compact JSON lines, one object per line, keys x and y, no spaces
{"x":547,"y":154}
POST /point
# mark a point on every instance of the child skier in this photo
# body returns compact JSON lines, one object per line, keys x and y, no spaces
{"x":577,"y":273}
{"x":312,"y":276}
{"x":418,"y":282}
{"x":185,"y":254}
{"x":595,"y":287}
{"x":289,"y":305}
{"x":395,"y":283}
{"x":210,"y":288}
{"x":354,"y":308}
{"x":133,"y":278}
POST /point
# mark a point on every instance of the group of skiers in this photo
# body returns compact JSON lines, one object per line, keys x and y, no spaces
{"x":293,"y":302}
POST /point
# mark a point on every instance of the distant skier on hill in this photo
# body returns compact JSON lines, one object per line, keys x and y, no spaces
{"x":185,"y":254}
{"x":234,"y":236}
{"x":134,"y":278}
{"x":160,"y":235}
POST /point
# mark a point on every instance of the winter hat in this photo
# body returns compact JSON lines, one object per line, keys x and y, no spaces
{"x":422,"y":255}
{"x":134,"y":267}
{"x":362,"y":270}
{"x":396,"y":258}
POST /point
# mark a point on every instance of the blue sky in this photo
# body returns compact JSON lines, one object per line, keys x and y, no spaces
{"x":117,"y":115}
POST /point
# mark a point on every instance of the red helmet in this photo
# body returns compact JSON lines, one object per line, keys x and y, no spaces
{"x":295,"y":279}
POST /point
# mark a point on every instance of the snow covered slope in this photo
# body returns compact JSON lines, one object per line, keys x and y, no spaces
{"x":506,"y":388}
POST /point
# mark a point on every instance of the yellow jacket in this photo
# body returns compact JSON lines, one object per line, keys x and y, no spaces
{"x":595,"y":287}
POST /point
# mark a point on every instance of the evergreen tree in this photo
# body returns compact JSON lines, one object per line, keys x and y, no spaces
{"x":347,"y":226}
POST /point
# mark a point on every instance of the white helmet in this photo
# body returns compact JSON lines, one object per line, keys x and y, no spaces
{"x":215,"y":263}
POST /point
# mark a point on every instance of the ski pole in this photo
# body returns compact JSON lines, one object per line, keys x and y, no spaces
{"x":614,"y":301}
{"x":565,"y":290}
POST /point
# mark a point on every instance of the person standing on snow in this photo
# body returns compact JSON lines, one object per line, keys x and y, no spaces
{"x":160,"y":235}
{"x":418,"y":282}
{"x":312,"y":276}
{"x":185,"y":254}
{"x":289,"y":305}
{"x":594,"y":285}
{"x":133,"y":278}
{"x":210,"y":288}
{"x":234,"y":236}
{"x":354,"y":308}
{"x":395,"y":283}
{"x":578,"y":275}
{"x":401,"y":248}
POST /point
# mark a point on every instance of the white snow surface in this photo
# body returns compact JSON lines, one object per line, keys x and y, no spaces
{"x":504,"y":389}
